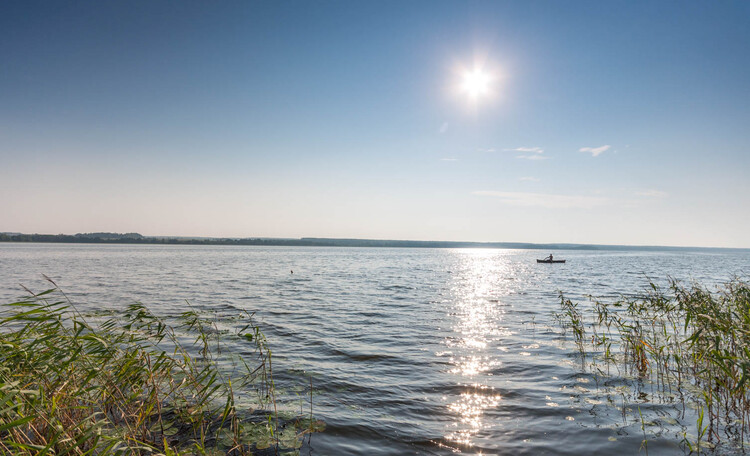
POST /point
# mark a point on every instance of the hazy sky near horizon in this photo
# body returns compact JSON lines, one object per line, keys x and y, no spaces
{"x":606,"y":122}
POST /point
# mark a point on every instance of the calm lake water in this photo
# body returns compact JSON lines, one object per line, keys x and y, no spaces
{"x":411,"y":351}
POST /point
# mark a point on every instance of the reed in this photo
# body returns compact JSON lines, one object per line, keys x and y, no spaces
{"x":686,"y":345}
{"x":135,"y":384}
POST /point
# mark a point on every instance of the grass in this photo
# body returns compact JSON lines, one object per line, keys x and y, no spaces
{"x":135,"y":384}
{"x":686,"y":345}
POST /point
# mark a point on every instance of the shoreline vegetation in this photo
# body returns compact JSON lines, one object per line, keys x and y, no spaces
{"x":136,"y":238}
{"x":675,"y":361}
{"x":133,"y":383}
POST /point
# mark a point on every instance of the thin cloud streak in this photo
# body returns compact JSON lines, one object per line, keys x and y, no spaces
{"x":534,"y":150}
{"x":449,"y":159}
{"x":528,"y":179}
{"x":533,"y":157}
{"x":595,"y":151}
{"x":549,"y":201}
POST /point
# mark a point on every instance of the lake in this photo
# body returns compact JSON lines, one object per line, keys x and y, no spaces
{"x":410,"y":351}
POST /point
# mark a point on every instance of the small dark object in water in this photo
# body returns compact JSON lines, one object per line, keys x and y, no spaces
{"x":550,"y":261}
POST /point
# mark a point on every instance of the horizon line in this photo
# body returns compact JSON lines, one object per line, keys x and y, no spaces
{"x":467,"y":244}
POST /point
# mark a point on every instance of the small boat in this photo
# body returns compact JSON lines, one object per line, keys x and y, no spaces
{"x":550,"y":261}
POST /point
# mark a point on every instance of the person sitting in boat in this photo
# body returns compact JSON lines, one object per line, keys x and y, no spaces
{"x":549,"y":258}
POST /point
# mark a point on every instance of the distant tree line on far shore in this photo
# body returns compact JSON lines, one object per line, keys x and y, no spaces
{"x":136,"y":238}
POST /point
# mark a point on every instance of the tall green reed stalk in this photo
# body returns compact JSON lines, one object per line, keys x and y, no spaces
{"x":133,"y":385}
{"x":689,"y":343}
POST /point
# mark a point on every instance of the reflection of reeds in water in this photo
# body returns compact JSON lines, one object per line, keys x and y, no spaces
{"x":133,"y":384}
{"x":690,"y":345}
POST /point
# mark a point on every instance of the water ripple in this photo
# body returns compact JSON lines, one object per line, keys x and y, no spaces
{"x":409,"y":351}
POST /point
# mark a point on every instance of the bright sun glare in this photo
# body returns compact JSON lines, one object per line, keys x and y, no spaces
{"x":476,"y":83}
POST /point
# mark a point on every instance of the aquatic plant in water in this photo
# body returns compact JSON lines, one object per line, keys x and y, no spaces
{"x":687,"y":347}
{"x":135,"y":384}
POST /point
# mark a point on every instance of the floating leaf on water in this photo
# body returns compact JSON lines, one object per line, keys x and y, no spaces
{"x":290,"y":439}
{"x":264,"y":443}
{"x":225,"y":438}
{"x":170,"y":431}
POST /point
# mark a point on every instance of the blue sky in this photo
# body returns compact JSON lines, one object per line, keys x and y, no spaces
{"x":344,"y":119}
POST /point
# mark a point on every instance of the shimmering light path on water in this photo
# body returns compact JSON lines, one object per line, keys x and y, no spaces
{"x":410,"y":351}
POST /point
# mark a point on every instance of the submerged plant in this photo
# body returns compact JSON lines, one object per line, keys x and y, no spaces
{"x":134,"y":384}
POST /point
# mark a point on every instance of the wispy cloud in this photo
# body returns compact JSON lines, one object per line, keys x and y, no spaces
{"x":449,"y":159}
{"x":443,"y":128}
{"x":491,"y":149}
{"x":595,"y":151}
{"x":545,"y":200}
{"x":533,"y":150}
{"x":529,"y":153}
{"x":533,"y":157}
{"x":528,"y":179}
{"x":652,"y":194}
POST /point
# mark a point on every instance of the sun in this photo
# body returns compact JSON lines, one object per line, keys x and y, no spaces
{"x":476,"y":83}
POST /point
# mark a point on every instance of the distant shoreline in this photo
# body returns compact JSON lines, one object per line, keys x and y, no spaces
{"x":138,"y":239}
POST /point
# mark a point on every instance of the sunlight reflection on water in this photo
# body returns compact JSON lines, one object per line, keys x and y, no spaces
{"x":479,"y":316}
